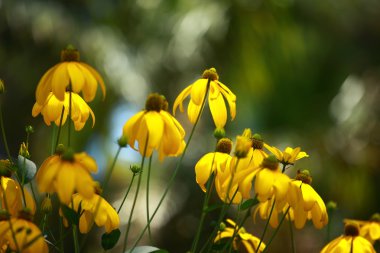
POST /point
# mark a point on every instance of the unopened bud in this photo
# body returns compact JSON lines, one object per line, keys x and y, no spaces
{"x":135,"y":169}
{"x":222,"y":226}
{"x":29,"y":129}
{"x":219,"y":133}
{"x":24,"y":151}
{"x":46,"y":205}
{"x":122,"y":141}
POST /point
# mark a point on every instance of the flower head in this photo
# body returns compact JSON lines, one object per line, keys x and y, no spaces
{"x":10,"y":191}
{"x":351,"y":241}
{"x":71,"y":74}
{"x":27,"y":239}
{"x":243,"y":143}
{"x":105,"y":215}
{"x":270,"y":181}
{"x":288,"y":156}
{"x":52,"y":108}
{"x":306,"y":203}
{"x":242,"y":241}
{"x":65,"y":173}
{"x":155,"y":128}
{"x":370,"y":229}
{"x":197,"y":91}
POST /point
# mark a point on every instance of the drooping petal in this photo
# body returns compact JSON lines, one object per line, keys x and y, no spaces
{"x":86,"y":222}
{"x":90,"y":84}
{"x":65,"y":184}
{"x":76,"y":77}
{"x":193,"y":111}
{"x":217,"y":108}
{"x":198,"y":91}
{"x":60,"y":81}
{"x":180,"y":98}
{"x":97,"y":77}
{"x":130,"y":129}
{"x":44,"y":86}
{"x":230,"y":97}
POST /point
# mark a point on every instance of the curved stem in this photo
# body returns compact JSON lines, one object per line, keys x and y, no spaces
{"x":4,"y":135}
{"x":266,"y":225}
{"x":291,"y":234}
{"x":109,"y":172}
{"x":126,"y":194}
{"x":209,"y":187}
{"x":171,"y":180}
{"x":147,"y":197}
{"x":275,"y":232}
{"x":136,"y":194}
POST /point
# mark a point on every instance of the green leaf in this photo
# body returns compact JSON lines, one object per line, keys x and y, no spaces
{"x":70,"y":215}
{"x":109,"y":240}
{"x":160,"y":251}
{"x":213,"y":207}
{"x":248,"y":203}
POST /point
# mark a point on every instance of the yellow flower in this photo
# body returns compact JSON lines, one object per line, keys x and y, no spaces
{"x":270,"y":181}
{"x":52,"y":108}
{"x":217,"y":91}
{"x":66,"y":173}
{"x":288,"y":156}
{"x":264,"y":208}
{"x":105,"y":215}
{"x":69,"y":72}
{"x":209,"y":163}
{"x":29,"y":238}
{"x":157,"y":128}
{"x":243,"y":241}
{"x":351,"y":241}
{"x":243,"y":143}
{"x":370,"y":229}
{"x":306,"y":203}
{"x":11,"y":191}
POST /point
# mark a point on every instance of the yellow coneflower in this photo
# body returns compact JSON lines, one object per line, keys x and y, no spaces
{"x":65,"y":173}
{"x":351,"y":241}
{"x":243,"y":241}
{"x":288,"y":156}
{"x":156,"y":127}
{"x":52,"y":109}
{"x":69,"y":73}
{"x":369,"y":229}
{"x":11,"y":191}
{"x":305,"y":202}
{"x":217,"y":91}
{"x":105,"y":214}
{"x":27,"y":239}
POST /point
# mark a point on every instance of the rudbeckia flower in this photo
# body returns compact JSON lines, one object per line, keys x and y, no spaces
{"x":288,"y":156}
{"x":270,"y":181}
{"x":351,"y":241}
{"x":306,"y":203}
{"x":28,"y":238}
{"x":13,"y":194}
{"x":217,"y":91}
{"x":105,"y":215}
{"x":370,"y":229}
{"x":209,"y":163}
{"x":155,"y":127}
{"x":65,"y":173}
{"x":242,"y":241}
{"x":264,"y":209}
{"x":52,"y":109}
{"x":71,"y":74}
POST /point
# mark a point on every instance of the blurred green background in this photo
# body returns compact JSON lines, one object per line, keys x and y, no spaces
{"x":306,"y":73}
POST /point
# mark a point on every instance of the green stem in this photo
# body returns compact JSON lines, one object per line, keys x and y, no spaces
{"x":109,"y":172}
{"x":171,"y":180}
{"x":33,"y":193}
{"x":61,"y":248}
{"x":126,"y":194}
{"x":69,"y":121}
{"x":75,"y":237}
{"x":59,"y":129}
{"x":291,"y":234}
{"x":266,"y":225}
{"x":4,"y":135}
{"x":147,"y":198}
{"x":275,"y":232}
{"x":236,"y":229}
{"x":209,"y":187}
{"x":136,"y":194}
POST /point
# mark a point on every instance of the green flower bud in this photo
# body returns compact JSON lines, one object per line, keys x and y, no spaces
{"x":135,"y":169}
{"x":222,"y":226}
{"x":122,"y":141}
{"x":331,"y":205}
{"x":29,"y":129}
{"x":219,"y":133}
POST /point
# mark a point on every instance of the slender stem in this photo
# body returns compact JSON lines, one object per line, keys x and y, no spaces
{"x":126,"y":194}
{"x":147,"y":197}
{"x":210,"y":184}
{"x":53,"y":137}
{"x":171,"y":180}
{"x":59,"y":129}
{"x":352,"y":245}
{"x":61,"y":247}
{"x":136,"y":194}
{"x":75,"y":237}
{"x":109,"y":172}
{"x":275,"y":232}
{"x":4,"y":135}
{"x":33,"y":193}
{"x":266,"y":226}
{"x":236,"y":229}
{"x":69,"y":121}
{"x":291,"y":234}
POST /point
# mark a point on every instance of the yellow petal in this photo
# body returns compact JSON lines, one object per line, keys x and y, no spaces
{"x":198,"y":91}
{"x":60,"y":80}
{"x":86,"y":221}
{"x":231,"y":98}
{"x":193,"y":111}
{"x":130,"y":128}
{"x":179,"y":100}
{"x":264,"y":184}
{"x":65,"y":184}
{"x":76,"y":77}
{"x":155,"y":127}
{"x":204,"y":168}
{"x":217,"y":108}
{"x":90,"y":83}
{"x":44,"y":86}
{"x":97,"y":77}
